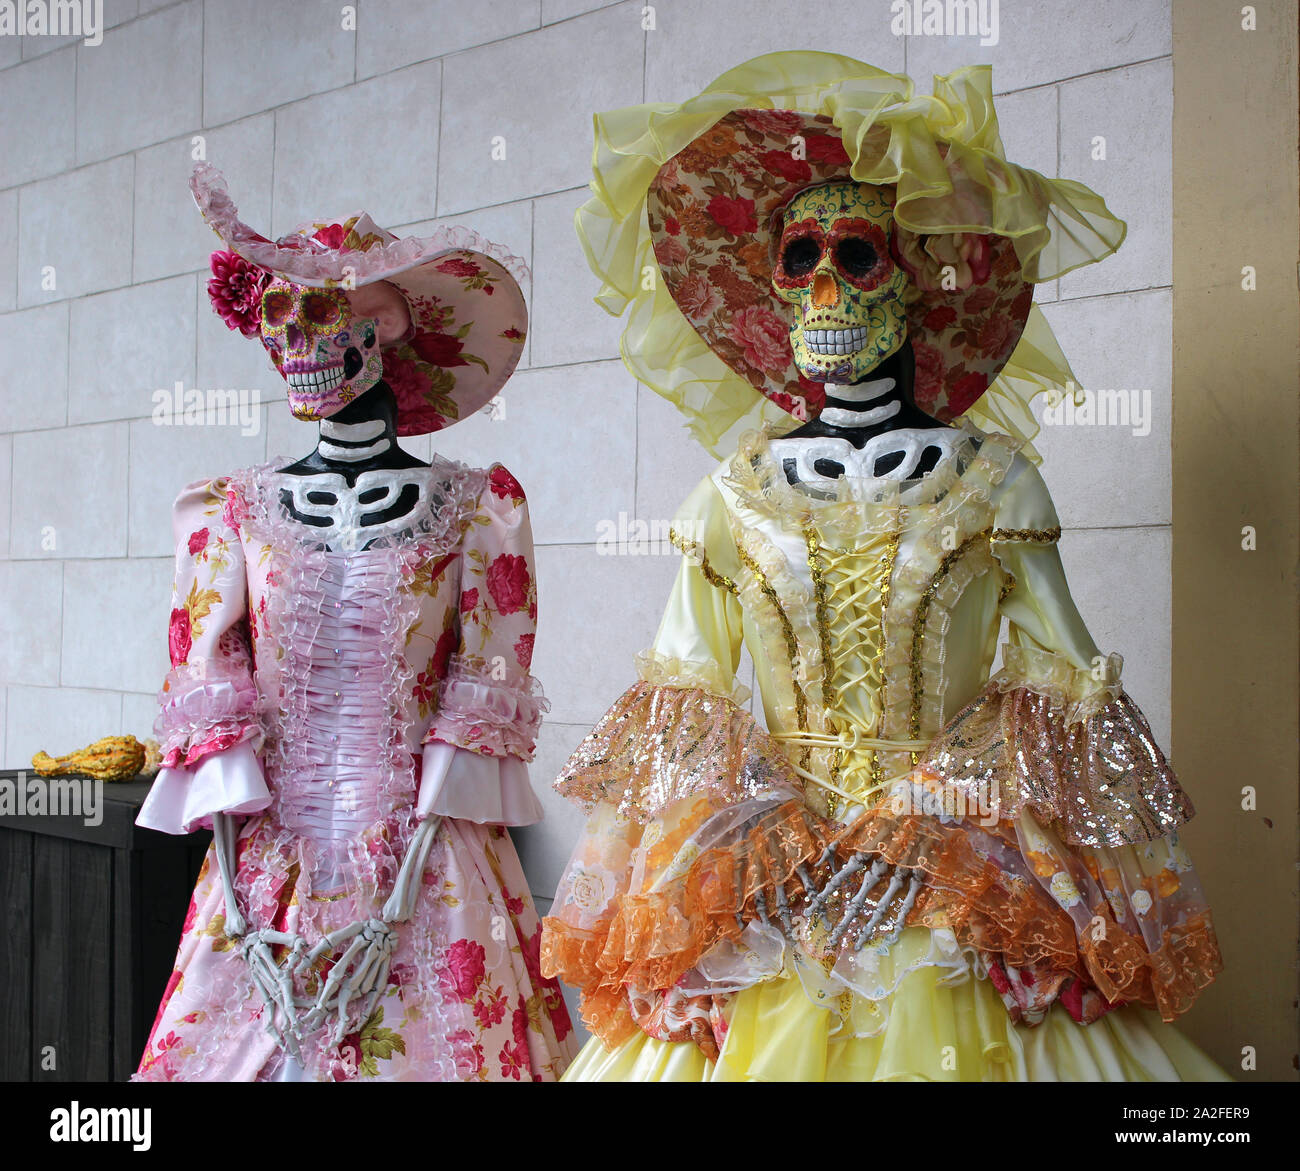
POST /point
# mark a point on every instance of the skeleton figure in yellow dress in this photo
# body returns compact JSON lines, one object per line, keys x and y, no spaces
{"x":921,"y":868}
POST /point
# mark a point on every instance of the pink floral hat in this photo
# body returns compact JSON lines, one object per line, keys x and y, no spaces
{"x":468,"y":315}
{"x":714,"y":211}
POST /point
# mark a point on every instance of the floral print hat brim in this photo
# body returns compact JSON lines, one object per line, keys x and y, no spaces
{"x":468,"y":314}
{"x":694,"y":193}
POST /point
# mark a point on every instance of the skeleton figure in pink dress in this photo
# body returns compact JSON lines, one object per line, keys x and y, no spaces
{"x":350,"y":706}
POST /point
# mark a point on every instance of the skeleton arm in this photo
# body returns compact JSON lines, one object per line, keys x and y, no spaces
{"x":224,"y":833}
{"x":401,"y":903}
{"x":274,"y":981}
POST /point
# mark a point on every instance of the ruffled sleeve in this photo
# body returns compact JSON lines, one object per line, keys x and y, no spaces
{"x":208,"y":724}
{"x":489,"y":705}
{"x":1068,"y":741}
{"x":1055,"y":769}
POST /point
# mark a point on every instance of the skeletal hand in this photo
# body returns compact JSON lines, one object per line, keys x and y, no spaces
{"x":854,"y":921}
{"x":362,"y":970}
{"x":851,"y":919}
{"x":274,"y":981}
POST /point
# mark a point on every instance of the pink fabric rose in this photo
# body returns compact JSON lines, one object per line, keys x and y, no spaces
{"x":697,"y":298}
{"x":524,"y":650}
{"x":504,"y":485}
{"x":669,"y":252}
{"x":198,"y":541}
{"x":468,"y":600}
{"x":456,"y":266}
{"x":968,"y":254}
{"x":508,"y":581}
{"x":764,"y":337}
{"x":179,"y":638}
{"x":465,"y":967}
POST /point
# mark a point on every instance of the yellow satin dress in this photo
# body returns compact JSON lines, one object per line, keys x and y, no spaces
{"x":872,"y":613}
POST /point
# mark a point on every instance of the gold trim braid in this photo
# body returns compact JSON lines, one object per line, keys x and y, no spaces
{"x":695,"y":551}
{"x":1037,"y":536}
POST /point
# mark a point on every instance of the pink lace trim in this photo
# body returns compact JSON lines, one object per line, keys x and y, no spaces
{"x":491,"y":716}
{"x":206,"y":706}
{"x":315,"y":268}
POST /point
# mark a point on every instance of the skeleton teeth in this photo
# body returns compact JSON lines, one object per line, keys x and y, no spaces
{"x":836,"y":341}
{"x":322,"y":380}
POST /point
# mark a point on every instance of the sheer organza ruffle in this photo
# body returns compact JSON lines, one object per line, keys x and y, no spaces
{"x":207,"y":705}
{"x":665,"y":671}
{"x":483,"y":711}
{"x":683,"y":850}
{"x":332,"y":266}
{"x":1091,"y":928}
{"x":1074,"y":693}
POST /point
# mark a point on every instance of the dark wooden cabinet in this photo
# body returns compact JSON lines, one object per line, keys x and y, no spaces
{"x":90,"y":917}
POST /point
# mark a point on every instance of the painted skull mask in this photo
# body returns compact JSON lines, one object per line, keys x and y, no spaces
{"x":835,"y":265}
{"x":326,"y":343}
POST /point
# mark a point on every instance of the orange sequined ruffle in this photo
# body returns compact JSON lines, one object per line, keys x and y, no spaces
{"x":654,"y":936}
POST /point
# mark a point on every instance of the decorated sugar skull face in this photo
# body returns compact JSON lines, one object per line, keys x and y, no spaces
{"x":834,"y":265}
{"x":326,"y":342}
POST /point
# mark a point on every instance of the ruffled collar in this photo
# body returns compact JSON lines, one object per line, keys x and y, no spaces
{"x":859,"y":504}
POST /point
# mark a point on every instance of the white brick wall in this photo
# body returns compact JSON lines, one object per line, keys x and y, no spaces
{"x":307,"y":118}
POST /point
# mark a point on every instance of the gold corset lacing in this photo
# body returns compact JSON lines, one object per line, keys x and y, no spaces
{"x":852,"y":589}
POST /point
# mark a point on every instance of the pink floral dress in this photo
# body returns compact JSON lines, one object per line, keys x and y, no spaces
{"x":336,"y":699}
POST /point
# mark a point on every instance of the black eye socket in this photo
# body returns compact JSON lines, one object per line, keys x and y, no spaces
{"x":856,"y":256}
{"x":801,"y":256}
